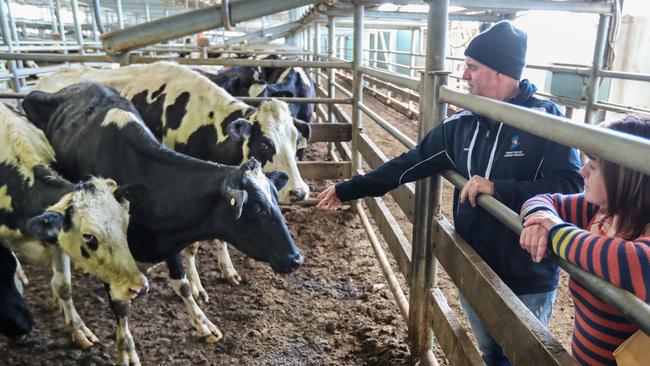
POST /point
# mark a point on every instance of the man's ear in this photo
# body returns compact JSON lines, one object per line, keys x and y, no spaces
{"x":45,"y":226}
{"x":39,"y":107}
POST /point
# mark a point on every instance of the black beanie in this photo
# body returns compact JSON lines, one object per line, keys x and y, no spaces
{"x":502,"y":48}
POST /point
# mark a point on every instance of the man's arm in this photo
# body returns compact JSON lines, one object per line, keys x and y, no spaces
{"x":428,"y":157}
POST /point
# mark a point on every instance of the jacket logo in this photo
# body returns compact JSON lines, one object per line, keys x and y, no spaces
{"x":514,"y":150}
{"x":514,"y":142}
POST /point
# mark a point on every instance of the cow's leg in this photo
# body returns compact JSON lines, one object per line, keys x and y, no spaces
{"x":192,"y":272}
{"x":227,"y":270}
{"x":204,"y":327}
{"x":62,"y":289}
{"x":126,"y":353}
{"x":20,"y":275}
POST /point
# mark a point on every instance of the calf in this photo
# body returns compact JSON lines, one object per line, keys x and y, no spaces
{"x":175,"y":199}
{"x":193,"y":116}
{"x":49,"y":220}
{"x":15,"y":319}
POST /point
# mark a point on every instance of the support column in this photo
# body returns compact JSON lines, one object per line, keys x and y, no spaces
{"x":428,"y":192}
{"x":147,"y":12}
{"x":331,"y":73}
{"x":6,"y":37}
{"x":357,"y":83}
{"x":53,"y":15}
{"x":120,"y":13}
{"x":77,"y":27}
{"x":596,"y":65}
{"x":414,"y":49}
{"x":316,"y":58}
{"x":57,"y":11}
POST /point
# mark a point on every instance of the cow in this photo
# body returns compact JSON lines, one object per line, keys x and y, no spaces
{"x":293,"y":82}
{"x":16,"y":321}
{"x":193,"y":116}
{"x":49,"y":220}
{"x":175,"y":199}
{"x":235,"y":80}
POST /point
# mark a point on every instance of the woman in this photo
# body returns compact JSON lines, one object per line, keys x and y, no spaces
{"x":606,"y":231}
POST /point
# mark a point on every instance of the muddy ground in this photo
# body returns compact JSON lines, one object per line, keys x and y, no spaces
{"x":336,"y":310}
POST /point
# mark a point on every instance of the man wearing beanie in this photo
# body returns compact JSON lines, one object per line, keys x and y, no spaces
{"x":499,"y":160}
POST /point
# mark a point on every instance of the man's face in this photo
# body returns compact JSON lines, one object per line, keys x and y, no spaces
{"x":482,"y":80}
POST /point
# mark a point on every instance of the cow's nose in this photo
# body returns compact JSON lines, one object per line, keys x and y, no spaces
{"x":297,"y":195}
{"x":295,"y":262}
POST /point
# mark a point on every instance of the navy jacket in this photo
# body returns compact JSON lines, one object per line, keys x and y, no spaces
{"x":521,"y":165}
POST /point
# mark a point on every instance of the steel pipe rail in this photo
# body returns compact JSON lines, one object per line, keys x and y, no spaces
{"x":403,"y":81}
{"x":569,"y":6}
{"x":633,"y":308}
{"x":241,"y":62}
{"x":298,"y":100}
{"x":392,"y":130}
{"x":389,"y":274}
{"x":630,"y":151}
{"x":55,"y":58}
{"x":192,"y":22}
{"x":624,"y":75}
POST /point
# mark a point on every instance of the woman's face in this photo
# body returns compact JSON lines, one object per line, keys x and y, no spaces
{"x":595,"y":191}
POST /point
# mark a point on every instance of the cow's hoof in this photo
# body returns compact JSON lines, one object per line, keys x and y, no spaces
{"x":214,"y":334}
{"x":127,"y":358}
{"x":232,"y":277}
{"x":204,"y":296}
{"x":83,"y":338}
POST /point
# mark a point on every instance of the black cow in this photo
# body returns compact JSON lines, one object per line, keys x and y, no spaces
{"x":15,"y":318}
{"x":175,"y":199}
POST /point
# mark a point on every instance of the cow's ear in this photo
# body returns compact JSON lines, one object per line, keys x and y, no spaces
{"x":129,"y":193}
{"x":39,"y":107}
{"x":236,"y":200}
{"x":239,"y":129}
{"x":305,"y":132}
{"x":278,"y":178}
{"x":45,"y":226}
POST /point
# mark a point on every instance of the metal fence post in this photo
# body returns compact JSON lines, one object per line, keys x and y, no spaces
{"x":357,"y":90}
{"x":316,"y":58}
{"x":6,"y":37}
{"x":61,"y":25}
{"x":331,"y":73}
{"x":596,"y":65}
{"x":428,"y":192}
{"x":77,"y":27}
{"x":120,"y":14}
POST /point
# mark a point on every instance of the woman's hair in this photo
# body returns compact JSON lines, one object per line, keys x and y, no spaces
{"x":628,"y":191}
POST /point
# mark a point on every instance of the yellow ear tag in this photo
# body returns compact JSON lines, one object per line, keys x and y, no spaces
{"x":232,"y":201}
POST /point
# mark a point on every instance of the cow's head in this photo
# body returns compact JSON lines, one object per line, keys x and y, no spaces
{"x":15,"y":318}
{"x":90,"y":224}
{"x":273,"y":139}
{"x":257,"y":226}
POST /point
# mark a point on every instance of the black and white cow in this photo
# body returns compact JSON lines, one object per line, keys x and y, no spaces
{"x":175,"y":201}
{"x":293,"y":82}
{"x":192,"y":115}
{"x":15,"y":318}
{"x":235,"y":80}
{"x":49,"y":220}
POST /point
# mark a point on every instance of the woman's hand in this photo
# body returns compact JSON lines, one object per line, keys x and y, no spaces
{"x":534,"y":237}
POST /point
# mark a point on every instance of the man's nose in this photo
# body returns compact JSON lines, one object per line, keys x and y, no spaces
{"x":466,"y":75}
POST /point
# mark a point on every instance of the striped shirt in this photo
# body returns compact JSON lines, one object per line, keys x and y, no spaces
{"x":598,"y":328}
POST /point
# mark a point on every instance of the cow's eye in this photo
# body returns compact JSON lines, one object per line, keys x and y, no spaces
{"x":88,"y":237}
{"x":264,"y":146}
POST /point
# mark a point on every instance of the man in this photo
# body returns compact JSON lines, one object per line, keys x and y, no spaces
{"x":499,"y":160}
